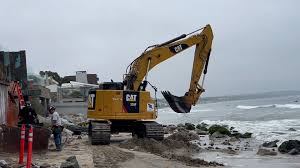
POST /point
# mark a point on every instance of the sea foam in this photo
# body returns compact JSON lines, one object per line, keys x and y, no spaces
{"x":290,"y":106}
{"x":264,"y":130}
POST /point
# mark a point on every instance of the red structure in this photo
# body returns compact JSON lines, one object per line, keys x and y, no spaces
{"x":15,"y":99}
{"x":18,"y":90}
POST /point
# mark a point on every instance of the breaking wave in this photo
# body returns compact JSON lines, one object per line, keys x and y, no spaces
{"x":265,"y":130}
{"x":290,"y":106}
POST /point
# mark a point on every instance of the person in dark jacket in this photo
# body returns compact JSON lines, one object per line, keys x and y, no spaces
{"x":27,"y":115}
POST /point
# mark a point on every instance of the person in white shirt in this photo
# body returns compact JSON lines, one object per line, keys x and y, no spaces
{"x":56,"y":127}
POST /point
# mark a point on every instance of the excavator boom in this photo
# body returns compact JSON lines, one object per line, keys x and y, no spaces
{"x":136,"y":78}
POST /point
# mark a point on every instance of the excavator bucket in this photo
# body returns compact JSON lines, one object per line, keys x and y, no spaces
{"x":178,"y":104}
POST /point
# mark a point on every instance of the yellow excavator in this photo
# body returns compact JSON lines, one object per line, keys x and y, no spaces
{"x":127,"y":107}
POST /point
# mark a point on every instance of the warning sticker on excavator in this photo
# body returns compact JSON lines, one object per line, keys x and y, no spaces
{"x":150,"y":107}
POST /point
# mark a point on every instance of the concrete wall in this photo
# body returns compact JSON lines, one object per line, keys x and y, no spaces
{"x":3,"y":103}
{"x":71,"y":107}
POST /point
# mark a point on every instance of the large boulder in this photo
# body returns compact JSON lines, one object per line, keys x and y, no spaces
{"x":76,"y":129}
{"x":234,"y":139}
{"x":169,"y":129}
{"x":172,"y":128}
{"x":3,"y":164}
{"x":71,"y":162}
{"x":201,"y":132}
{"x":180,"y":125}
{"x":266,"y":152}
{"x":45,"y":165}
{"x":287,"y":146}
{"x":218,"y":128}
{"x":246,"y":135}
{"x":294,"y":152}
{"x":46,"y":121}
{"x":226,"y":143}
{"x":271,"y":144}
{"x":239,"y":135}
{"x":189,"y":126}
{"x":292,"y":129}
{"x":202,"y":126}
{"x":218,"y":135}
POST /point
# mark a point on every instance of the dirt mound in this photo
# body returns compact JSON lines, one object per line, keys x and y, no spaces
{"x":109,"y":156}
{"x":184,"y":136}
{"x":175,"y":147}
{"x":179,"y":140}
{"x":191,"y":161}
{"x":145,"y":145}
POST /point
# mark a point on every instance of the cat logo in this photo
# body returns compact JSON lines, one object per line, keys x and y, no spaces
{"x":178,"y":48}
{"x":131,"y":101}
{"x":91,"y":100}
{"x":131,"y":97}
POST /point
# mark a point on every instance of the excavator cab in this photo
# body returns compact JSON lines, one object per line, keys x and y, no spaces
{"x":111,"y":86}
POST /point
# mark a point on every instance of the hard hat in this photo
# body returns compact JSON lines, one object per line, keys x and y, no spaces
{"x":28,"y":103}
{"x":52,"y":108}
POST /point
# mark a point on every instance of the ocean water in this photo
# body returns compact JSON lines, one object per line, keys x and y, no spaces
{"x":267,"y":118}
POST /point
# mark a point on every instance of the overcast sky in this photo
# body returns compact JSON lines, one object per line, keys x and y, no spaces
{"x":255,"y":49}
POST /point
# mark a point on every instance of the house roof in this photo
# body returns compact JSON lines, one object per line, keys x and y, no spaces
{"x":91,"y":78}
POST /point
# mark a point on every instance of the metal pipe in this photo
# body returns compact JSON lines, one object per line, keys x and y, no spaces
{"x":148,"y":66}
{"x":172,"y":40}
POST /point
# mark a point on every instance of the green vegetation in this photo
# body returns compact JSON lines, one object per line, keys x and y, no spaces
{"x":219,"y":128}
{"x":189,"y":126}
{"x":202,"y":126}
{"x":54,"y":75}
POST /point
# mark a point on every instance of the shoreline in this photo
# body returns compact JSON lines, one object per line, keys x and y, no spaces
{"x":185,"y":145}
{"x":110,"y":155}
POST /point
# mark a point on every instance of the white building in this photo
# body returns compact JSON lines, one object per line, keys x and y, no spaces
{"x":81,"y":77}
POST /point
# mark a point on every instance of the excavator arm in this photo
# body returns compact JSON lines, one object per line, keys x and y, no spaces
{"x":136,"y":78}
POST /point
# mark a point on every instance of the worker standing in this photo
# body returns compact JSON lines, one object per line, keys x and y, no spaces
{"x":27,"y":115}
{"x":56,"y":127}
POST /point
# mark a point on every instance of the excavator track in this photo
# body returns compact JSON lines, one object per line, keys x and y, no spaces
{"x":150,"y":130}
{"x":99,"y":133}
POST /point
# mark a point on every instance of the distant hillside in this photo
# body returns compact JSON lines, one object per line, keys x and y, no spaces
{"x":163,"y":103}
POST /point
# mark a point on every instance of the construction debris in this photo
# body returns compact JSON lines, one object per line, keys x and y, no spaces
{"x":70,"y":162}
